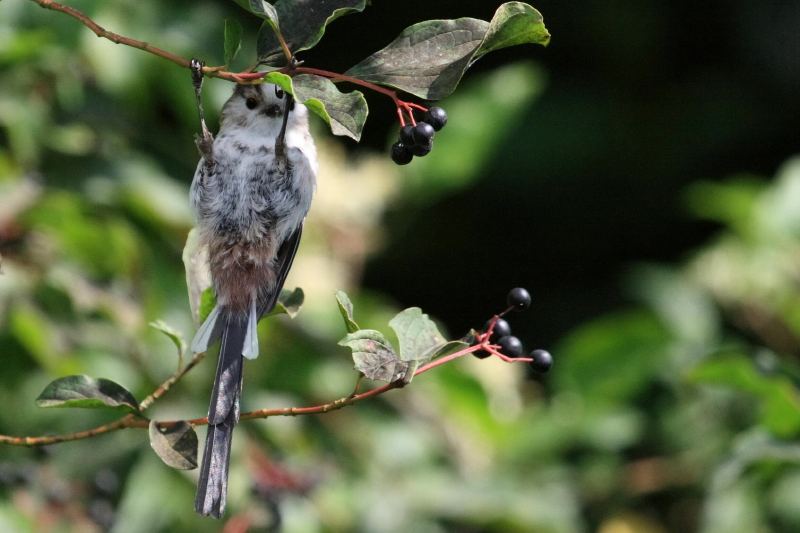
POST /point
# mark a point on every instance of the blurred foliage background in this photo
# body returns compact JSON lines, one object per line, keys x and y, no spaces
{"x":635,"y":176}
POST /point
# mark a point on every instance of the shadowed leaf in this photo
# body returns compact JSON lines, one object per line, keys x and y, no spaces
{"x":428,"y":59}
{"x":174,"y":335}
{"x":374,"y":355}
{"x":346,"y":113}
{"x":265,"y":10}
{"x":780,"y":404}
{"x":289,"y":302}
{"x":303,"y":24}
{"x":176,"y":445}
{"x":346,"y":309}
{"x":233,"y":40}
{"x":87,"y":392}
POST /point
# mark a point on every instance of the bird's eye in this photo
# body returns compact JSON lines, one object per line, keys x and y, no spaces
{"x":251,"y":103}
{"x":279,"y":92}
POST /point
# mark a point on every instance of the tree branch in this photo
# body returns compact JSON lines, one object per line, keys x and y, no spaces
{"x":133,"y":421}
{"x":211,"y":72}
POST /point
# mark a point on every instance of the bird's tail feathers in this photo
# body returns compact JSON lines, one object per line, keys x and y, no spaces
{"x":223,"y":414}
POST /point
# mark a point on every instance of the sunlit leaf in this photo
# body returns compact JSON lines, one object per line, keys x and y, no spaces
{"x":233,"y":40}
{"x":418,"y":335}
{"x":303,"y":24}
{"x":87,"y":392}
{"x":176,"y":445}
{"x":514,"y":23}
{"x":346,"y":309}
{"x":207,"y":304}
{"x":375,"y":356}
{"x":346,"y":113}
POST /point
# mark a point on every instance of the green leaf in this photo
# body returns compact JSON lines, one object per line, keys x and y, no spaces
{"x":289,"y":302}
{"x":780,"y":408}
{"x":176,"y":444}
{"x":281,"y":80}
{"x":428,"y":59}
{"x":419,"y":337}
{"x":174,"y":335}
{"x":346,"y":309}
{"x":207,"y":304}
{"x":303,"y":24}
{"x":87,"y":392}
{"x":265,"y":10}
{"x":233,"y":40}
{"x":346,"y":113}
{"x":198,"y":276}
{"x":374,"y":355}
{"x":514,"y":23}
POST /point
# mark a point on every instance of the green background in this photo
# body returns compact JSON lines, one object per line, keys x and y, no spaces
{"x":636,"y":176}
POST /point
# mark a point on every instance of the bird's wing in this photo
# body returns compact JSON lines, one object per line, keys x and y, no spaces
{"x":283,"y":263}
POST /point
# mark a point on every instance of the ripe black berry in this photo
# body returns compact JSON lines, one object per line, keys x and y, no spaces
{"x":406,"y":135}
{"x":423,"y":133}
{"x":436,"y":117}
{"x":400,"y":154}
{"x":421,"y":150}
{"x":480,"y":354}
{"x":542,"y":361}
{"x":501,"y":329}
{"x":519,"y":299}
{"x":510,"y":346}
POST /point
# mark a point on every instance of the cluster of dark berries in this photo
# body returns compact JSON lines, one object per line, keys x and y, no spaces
{"x":418,"y":140}
{"x":518,"y":300}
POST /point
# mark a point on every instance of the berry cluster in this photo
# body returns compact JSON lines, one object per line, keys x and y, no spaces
{"x":417,"y":140}
{"x":500,"y":334}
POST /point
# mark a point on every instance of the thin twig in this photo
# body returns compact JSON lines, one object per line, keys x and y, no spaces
{"x":133,"y":421}
{"x":147,"y":402}
{"x":211,"y":72}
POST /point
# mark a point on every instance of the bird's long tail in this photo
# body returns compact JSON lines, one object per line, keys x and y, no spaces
{"x":223,"y":414}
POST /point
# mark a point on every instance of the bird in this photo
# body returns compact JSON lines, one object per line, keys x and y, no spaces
{"x":250,"y":194}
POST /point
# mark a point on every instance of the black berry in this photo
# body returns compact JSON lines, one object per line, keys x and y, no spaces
{"x":542,"y":361}
{"x":436,"y":117}
{"x":423,"y":133}
{"x":406,"y":136}
{"x":400,"y":154}
{"x":519,"y":299}
{"x":501,"y":329}
{"x":480,"y":354}
{"x":510,"y":346}
{"x":421,"y":150}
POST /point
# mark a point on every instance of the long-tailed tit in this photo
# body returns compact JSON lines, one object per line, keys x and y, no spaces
{"x":251,"y":192}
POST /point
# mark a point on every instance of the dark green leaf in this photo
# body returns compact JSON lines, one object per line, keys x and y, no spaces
{"x":344,"y":112}
{"x":176,"y":444}
{"x":174,"y":335}
{"x":289,"y":302}
{"x":418,"y":335}
{"x":303,"y":23}
{"x":346,"y":309}
{"x":233,"y":40}
{"x":514,"y":23}
{"x":207,"y":304}
{"x":375,"y":356}
{"x":263,"y":9}
{"x":428,"y":59}
{"x":87,"y":392}
{"x":780,"y":409}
